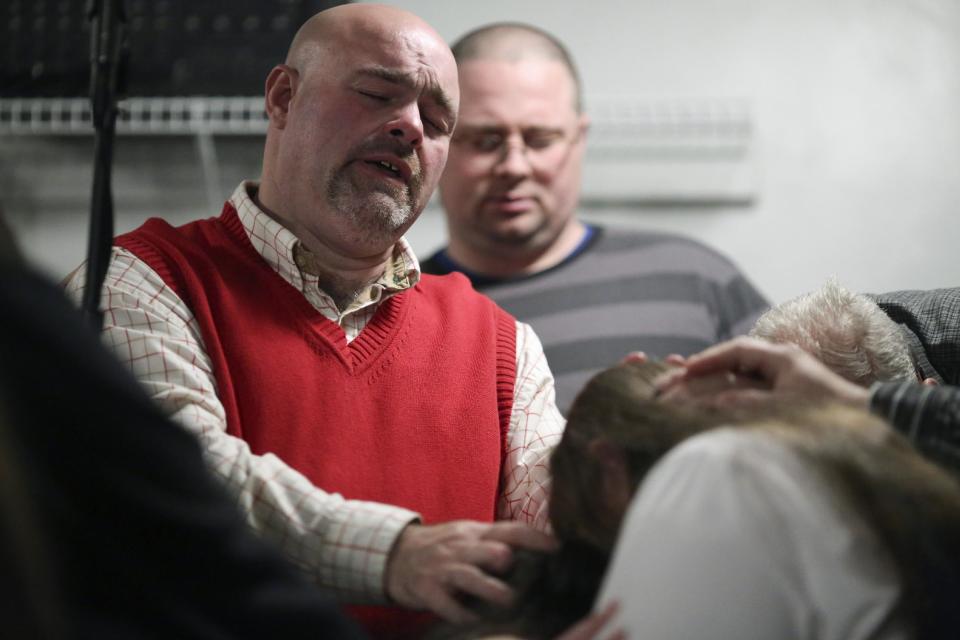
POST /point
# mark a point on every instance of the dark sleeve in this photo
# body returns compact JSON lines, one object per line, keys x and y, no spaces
{"x":141,"y":541}
{"x":929,"y":416}
{"x":931,"y":319}
{"x":434,"y":265}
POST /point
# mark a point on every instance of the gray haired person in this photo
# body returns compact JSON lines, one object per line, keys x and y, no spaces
{"x":849,"y":332}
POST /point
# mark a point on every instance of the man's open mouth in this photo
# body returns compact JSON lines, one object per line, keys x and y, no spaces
{"x":386,"y":166}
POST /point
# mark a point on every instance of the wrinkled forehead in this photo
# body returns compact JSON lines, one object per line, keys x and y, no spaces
{"x":411,"y":51}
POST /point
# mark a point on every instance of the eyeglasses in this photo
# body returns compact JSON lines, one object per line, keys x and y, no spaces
{"x":541,"y":145}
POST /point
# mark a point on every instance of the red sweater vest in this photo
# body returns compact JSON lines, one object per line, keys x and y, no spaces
{"x":413,"y":412}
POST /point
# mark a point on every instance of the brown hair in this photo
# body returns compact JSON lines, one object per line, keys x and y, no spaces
{"x":617,"y":406}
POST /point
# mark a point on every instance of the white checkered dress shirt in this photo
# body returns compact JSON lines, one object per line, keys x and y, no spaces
{"x":342,"y":543}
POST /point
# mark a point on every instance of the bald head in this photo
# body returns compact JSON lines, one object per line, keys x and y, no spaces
{"x":361,"y":116}
{"x":516,"y":42}
{"x":348,"y":23}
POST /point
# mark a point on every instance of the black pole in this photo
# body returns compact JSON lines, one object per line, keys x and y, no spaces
{"x":108,"y":53}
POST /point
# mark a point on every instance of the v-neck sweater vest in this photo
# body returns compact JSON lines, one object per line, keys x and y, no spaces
{"x":413,"y":412}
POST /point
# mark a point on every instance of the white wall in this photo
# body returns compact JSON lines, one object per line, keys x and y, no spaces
{"x":857,"y":107}
{"x":856,"y":103}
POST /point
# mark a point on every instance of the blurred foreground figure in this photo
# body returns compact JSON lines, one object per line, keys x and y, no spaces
{"x":110,"y":524}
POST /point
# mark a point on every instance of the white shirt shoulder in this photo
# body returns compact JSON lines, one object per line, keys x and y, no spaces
{"x":732,"y":535}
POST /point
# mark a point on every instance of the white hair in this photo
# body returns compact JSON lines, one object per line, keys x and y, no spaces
{"x":846,"y":331}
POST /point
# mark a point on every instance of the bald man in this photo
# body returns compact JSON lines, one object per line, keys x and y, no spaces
{"x":510,"y":193}
{"x":354,"y":406}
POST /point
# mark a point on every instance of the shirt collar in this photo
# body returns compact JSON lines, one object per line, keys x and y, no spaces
{"x":290,"y":258}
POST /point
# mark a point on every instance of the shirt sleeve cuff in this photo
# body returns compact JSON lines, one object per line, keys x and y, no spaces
{"x":355,"y":548}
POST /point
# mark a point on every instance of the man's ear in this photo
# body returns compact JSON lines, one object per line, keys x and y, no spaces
{"x":282,"y":83}
{"x":616,"y":488}
{"x":930,"y":382}
{"x":583,"y":125}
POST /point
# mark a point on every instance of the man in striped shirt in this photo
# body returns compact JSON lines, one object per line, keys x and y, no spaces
{"x":510,"y":191}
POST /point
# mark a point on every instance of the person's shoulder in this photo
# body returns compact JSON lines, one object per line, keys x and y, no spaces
{"x":732,"y":454}
{"x":919,"y":300}
{"x":931,"y":321}
{"x":451,"y":280}
{"x":724,"y":445}
{"x":154,"y":225}
{"x":157,"y":227}
{"x":451,"y":285}
{"x":749,"y":471}
{"x":612,"y":239}
{"x":671,"y":251}
{"x":456,"y":296}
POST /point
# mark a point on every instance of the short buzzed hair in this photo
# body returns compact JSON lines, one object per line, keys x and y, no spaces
{"x":515,"y":41}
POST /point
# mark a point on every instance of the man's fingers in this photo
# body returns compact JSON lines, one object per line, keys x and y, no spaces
{"x":738,"y":354}
{"x":492,"y":555}
{"x":518,"y":534}
{"x":471,"y":580}
{"x":744,"y":399}
{"x":634,"y":356}
{"x":743,"y":355}
{"x":704,"y":389}
{"x":669,"y":379}
{"x":431,"y":563}
{"x":442,"y":603}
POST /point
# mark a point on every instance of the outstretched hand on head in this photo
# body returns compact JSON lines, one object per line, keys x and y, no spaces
{"x":431,"y":565}
{"x":746,"y":371}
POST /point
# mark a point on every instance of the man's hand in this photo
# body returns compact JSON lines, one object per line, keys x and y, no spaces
{"x":640,"y":357}
{"x":430,"y":565}
{"x":750,"y":371}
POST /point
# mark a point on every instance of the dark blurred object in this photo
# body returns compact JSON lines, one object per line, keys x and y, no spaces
{"x":9,"y":251}
{"x":553,"y":592}
{"x":109,"y":55}
{"x":110,"y":524}
{"x":200,"y":47}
